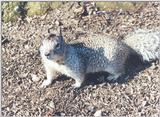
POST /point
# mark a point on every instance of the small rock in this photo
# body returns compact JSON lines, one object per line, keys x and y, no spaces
{"x":35,"y":78}
{"x":58,"y":23}
{"x":3,"y":49}
{"x":26,"y":47}
{"x":62,"y":114}
{"x":98,"y":113}
{"x":23,"y":75}
{"x":91,"y":108}
{"x":44,"y":16}
{"x":16,"y":9}
{"x":123,"y":85}
{"x":149,"y":78}
{"x":51,"y":104}
{"x":144,"y":103}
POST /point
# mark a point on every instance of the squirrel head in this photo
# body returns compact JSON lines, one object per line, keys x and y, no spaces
{"x":53,"y":48}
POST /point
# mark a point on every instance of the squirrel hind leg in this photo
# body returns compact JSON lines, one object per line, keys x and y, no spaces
{"x":114,"y":77}
{"x":115,"y":71}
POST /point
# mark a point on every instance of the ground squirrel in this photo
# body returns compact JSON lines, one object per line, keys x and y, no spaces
{"x":95,"y":54}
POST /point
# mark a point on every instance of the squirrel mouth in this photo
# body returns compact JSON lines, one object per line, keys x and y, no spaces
{"x":60,"y":60}
{"x":48,"y":57}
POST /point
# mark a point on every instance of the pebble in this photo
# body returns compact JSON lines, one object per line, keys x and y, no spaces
{"x":98,"y":113}
{"x":35,"y":78}
{"x":26,"y":47}
{"x":51,"y":104}
{"x":91,"y":108}
{"x":23,"y":75}
{"x":62,"y":114}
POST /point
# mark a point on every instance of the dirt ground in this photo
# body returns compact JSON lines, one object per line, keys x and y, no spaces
{"x":23,"y":72}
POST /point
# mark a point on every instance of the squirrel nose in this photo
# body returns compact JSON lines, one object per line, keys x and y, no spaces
{"x":47,"y":54}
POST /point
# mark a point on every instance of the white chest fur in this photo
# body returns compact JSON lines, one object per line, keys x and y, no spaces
{"x":58,"y":68}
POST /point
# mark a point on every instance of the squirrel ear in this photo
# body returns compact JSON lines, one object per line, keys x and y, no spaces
{"x":42,"y":37}
{"x":60,"y":31}
{"x":42,"y":41}
{"x":60,"y":34}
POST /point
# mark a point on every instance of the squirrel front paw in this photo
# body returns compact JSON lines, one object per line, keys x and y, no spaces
{"x":45,"y":83}
{"x":76,"y":85}
{"x":78,"y":82}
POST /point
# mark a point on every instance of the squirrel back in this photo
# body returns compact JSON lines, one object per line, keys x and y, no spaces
{"x":146,"y":42}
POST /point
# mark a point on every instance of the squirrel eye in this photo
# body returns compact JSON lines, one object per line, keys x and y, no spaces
{"x":57,"y":46}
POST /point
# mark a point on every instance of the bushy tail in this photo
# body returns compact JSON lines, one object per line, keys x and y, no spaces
{"x":145,"y":42}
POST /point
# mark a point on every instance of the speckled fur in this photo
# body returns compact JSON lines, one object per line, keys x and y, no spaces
{"x":96,"y":53}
